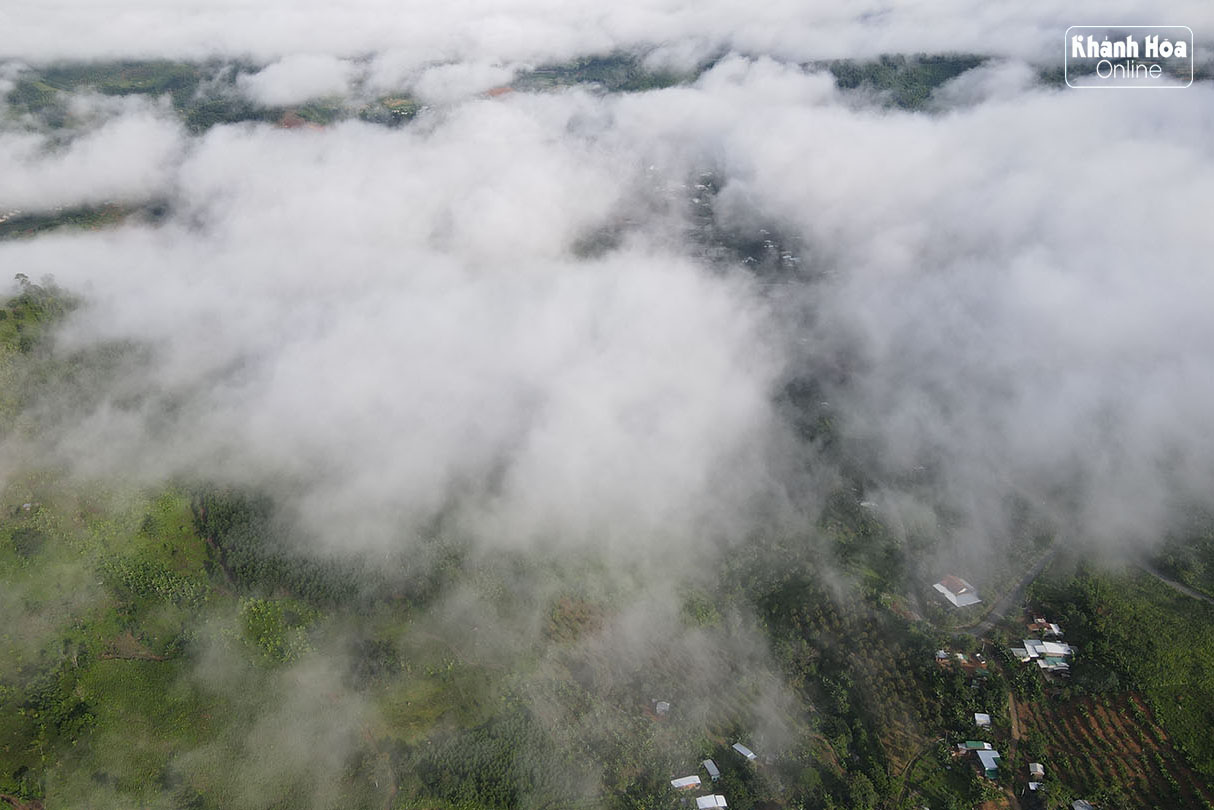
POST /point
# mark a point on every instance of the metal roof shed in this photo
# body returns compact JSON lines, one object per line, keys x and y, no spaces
{"x":957,"y":591}
{"x":990,"y":763}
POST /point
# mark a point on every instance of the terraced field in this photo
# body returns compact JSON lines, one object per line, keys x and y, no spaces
{"x":1115,"y":746}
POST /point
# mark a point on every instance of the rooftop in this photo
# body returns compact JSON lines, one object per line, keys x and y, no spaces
{"x":744,"y":751}
{"x":957,"y":591}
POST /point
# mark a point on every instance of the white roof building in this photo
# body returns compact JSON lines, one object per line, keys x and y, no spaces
{"x":990,"y":760}
{"x":685,"y":782}
{"x":744,"y":751}
{"x":705,"y":802}
{"x":982,"y":719}
{"x":957,"y":591}
{"x":1046,"y":649}
{"x":1036,"y":770}
{"x":1049,"y":655}
{"x":712,"y":769}
{"x":1057,"y":648}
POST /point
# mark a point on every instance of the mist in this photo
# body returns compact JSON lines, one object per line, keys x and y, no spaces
{"x":589,"y":338}
{"x":393,"y":324}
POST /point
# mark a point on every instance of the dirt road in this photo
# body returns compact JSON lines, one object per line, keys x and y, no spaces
{"x":1173,"y":584}
{"x":1012,"y":598}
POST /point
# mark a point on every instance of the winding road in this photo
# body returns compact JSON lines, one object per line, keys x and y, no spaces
{"x":1173,"y":584}
{"x":1012,"y":598}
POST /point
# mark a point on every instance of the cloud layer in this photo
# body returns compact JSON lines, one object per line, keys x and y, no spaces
{"x":526,"y":30}
{"x":299,"y":78}
{"x":394,"y":321}
{"x":570,"y":321}
{"x":393,"y":325}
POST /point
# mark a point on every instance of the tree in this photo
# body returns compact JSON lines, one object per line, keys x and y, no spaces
{"x":861,"y":792}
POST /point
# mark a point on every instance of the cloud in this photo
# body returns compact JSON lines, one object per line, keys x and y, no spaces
{"x":528,"y":30}
{"x":558,"y":326}
{"x":446,"y":83}
{"x":396,"y":321}
{"x":551,"y":323}
{"x":397,"y":324}
{"x":128,"y":157}
{"x":298,"y":78}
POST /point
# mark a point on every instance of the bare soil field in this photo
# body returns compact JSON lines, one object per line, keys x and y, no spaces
{"x":1094,"y":746}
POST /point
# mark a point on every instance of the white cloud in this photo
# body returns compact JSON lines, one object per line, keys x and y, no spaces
{"x":401,"y":320}
{"x":126,"y":158}
{"x":299,"y":78}
{"x":528,"y":30}
{"x":409,"y":328}
{"x":446,"y":83}
{"x":501,"y":315}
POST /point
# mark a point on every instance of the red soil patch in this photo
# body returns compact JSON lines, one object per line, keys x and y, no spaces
{"x":1091,"y":745}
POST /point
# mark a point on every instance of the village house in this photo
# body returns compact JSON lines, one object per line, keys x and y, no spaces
{"x":1049,"y":655}
{"x":990,"y":763}
{"x":957,"y":591}
{"x":1045,"y":628}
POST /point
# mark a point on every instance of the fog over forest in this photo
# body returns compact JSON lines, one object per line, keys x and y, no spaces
{"x":392,"y":322}
{"x":627,"y":329}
